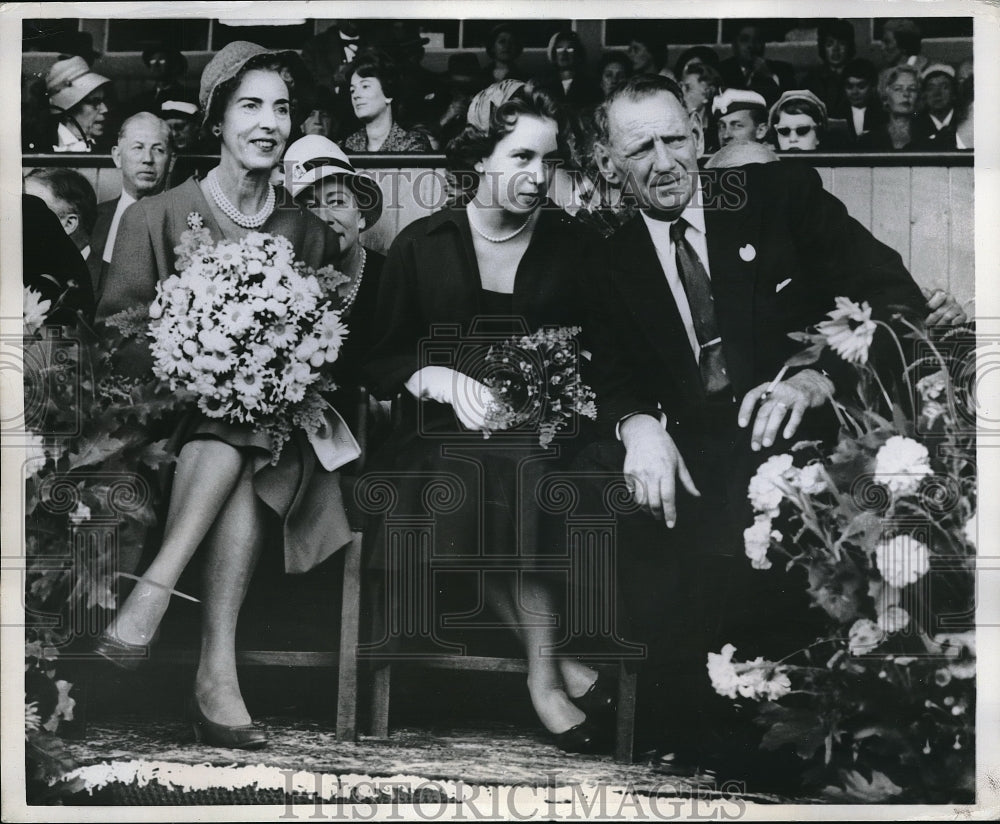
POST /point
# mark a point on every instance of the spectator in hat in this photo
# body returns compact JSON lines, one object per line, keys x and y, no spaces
{"x":143,"y":153}
{"x":900,"y":90}
{"x":183,"y":116}
{"x":567,"y":81}
{"x":740,"y":117}
{"x":798,"y":121}
{"x":322,"y":113}
{"x":901,"y":44}
{"x":71,"y":198}
{"x":421,"y":94}
{"x":503,"y":47}
{"x":693,"y":56}
{"x":864,"y":112}
{"x":935,"y":125}
{"x":79,"y":99}
{"x":166,"y":66}
{"x":464,"y":79}
{"x":748,"y":69}
{"x":373,"y":81}
{"x":320,"y":177}
{"x":826,"y":80}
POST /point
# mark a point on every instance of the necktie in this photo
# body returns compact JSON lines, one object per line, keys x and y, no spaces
{"x":698,"y":288}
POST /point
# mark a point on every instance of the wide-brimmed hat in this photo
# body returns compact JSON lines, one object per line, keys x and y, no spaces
{"x":803,"y":95}
{"x":227,"y":63}
{"x":177,"y":61}
{"x":71,"y":80}
{"x":314,"y":157}
{"x":492,"y":97}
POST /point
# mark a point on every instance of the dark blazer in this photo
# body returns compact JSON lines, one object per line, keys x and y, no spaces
{"x":777,"y":261}
{"x":98,"y":242}
{"x":874,"y":121}
{"x":52,"y":265}
{"x":582,"y":92}
{"x":431,"y":279}
{"x":929,"y":138}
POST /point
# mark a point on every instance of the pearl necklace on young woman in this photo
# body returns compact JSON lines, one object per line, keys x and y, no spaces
{"x":494,"y":238}
{"x":234,"y":214}
{"x":353,"y":293}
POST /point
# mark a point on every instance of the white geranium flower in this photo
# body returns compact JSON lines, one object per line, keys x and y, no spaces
{"x":80,"y":514}
{"x":722,"y":673}
{"x":893,"y":619}
{"x":864,"y":636}
{"x":764,"y":491}
{"x":850,"y":330}
{"x":902,"y":560}
{"x":901,"y":464}
{"x":306,"y":349}
{"x":811,"y":479}
{"x":32,"y":720}
{"x":757,"y":540}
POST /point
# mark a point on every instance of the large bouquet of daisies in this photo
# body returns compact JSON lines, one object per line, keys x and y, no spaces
{"x":249,"y":331}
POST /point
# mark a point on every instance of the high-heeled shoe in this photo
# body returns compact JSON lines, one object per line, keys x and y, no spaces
{"x":122,"y":654}
{"x":585,"y":737}
{"x":240,"y":737}
{"x":598,"y":699}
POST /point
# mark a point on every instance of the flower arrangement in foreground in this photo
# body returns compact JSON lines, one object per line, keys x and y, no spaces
{"x":248,"y":331}
{"x":535,"y":382}
{"x":882,"y":708}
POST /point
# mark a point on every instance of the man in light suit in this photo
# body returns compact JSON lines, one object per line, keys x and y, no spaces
{"x":143,"y":154}
{"x":692,"y":303}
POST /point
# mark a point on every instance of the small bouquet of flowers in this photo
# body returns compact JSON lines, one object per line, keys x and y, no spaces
{"x":536,"y":382}
{"x":249,"y":331}
{"x":883,"y":525}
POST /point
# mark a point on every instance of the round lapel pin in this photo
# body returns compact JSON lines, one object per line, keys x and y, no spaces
{"x":747,"y":253}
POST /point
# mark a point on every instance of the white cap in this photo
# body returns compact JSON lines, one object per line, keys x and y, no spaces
{"x":734,"y":100}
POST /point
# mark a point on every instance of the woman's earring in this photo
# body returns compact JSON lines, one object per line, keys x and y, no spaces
{"x":217,"y":131}
{"x":478,"y":167}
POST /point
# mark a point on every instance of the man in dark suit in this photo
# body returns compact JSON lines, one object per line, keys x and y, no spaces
{"x":935,"y":126}
{"x":692,"y":303}
{"x":863,"y":111}
{"x":143,"y":153}
{"x":749,"y":69}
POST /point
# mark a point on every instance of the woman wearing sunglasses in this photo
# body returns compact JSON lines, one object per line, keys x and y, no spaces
{"x":798,"y":121}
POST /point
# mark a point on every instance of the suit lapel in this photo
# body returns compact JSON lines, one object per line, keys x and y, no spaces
{"x":730,"y":235}
{"x":641,"y":281}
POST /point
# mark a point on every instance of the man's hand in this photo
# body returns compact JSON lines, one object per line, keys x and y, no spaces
{"x":468,"y":397}
{"x":790,"y":398}
{"x":652,"y":466}
{"x":944,"y":309}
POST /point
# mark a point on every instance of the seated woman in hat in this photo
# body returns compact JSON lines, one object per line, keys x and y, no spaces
{"x":373,"y":81}
{"x":798,"y":121}
{"x":79,"y":99}
{"x":227,"y":498}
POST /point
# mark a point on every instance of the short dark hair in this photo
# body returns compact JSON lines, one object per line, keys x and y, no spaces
{"x":495,"y":33}
{"x":906,"y":32}
{"x":655,"y":43}
{"x":472,"y":144}
{"x":615,"y":57}
{"x":860,"y":67}
{"x":378,"y":64}
{"x":838,"y":29}
{"x":223,"y":93}
{"x":71,"y":187}
{"x":635,"y":88}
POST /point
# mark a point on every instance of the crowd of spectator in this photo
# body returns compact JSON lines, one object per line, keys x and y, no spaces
{"x":365,"y":87}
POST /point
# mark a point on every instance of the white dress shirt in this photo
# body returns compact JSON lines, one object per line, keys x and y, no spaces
{"x":66,"y":141}
{"x":659,"y":231}
{"x":940,"y":124}
{"x":124,"y":202}
{"x":858,"y":119}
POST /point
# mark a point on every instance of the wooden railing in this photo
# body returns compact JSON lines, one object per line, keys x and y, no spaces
{"x":919,"y":204}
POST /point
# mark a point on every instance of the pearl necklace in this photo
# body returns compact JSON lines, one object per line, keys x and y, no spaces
{"x":349,"y":300}
{"x":494,"y":238}
{"x":234,"y":214}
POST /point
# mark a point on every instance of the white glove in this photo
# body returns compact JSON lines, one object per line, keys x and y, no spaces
{"x":468,"y":397}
